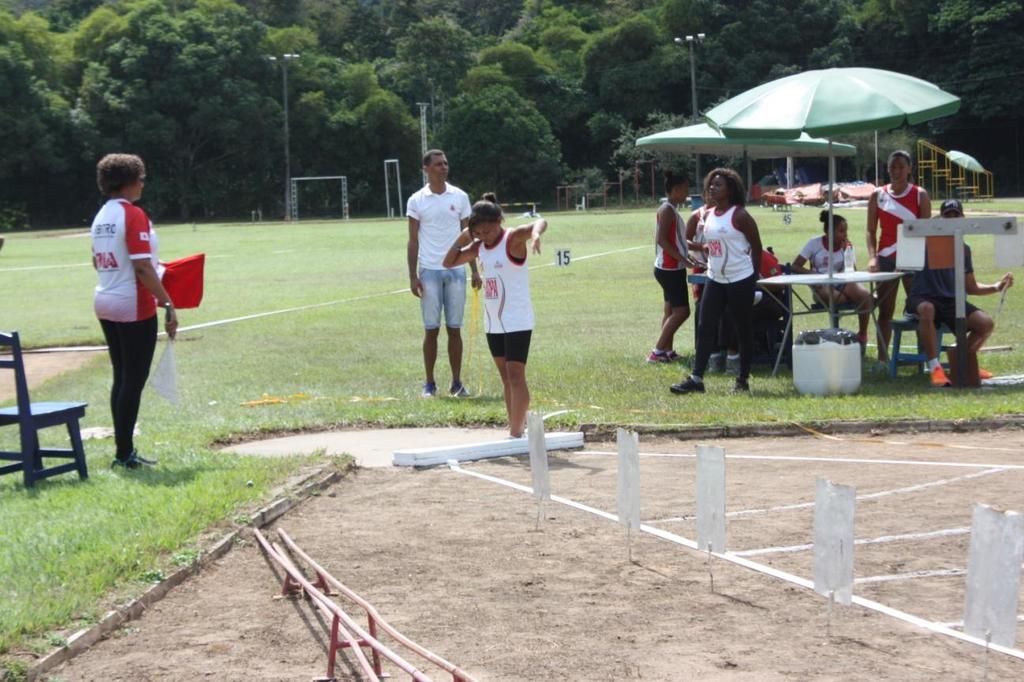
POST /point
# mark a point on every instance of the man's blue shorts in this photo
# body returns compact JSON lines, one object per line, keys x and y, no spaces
{"x":443,"y":289}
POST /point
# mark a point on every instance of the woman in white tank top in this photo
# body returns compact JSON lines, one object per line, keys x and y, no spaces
{"x":508,"y":312}
{"x":733,"y":248}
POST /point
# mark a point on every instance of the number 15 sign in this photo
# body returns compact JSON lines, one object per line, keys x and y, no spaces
{"x":562,"y":258}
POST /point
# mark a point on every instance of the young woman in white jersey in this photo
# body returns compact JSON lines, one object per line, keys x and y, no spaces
{"x":670,"y":263}
{"x":508,"y":312}
{"x":888,"y":207}
{"x":733,"y":248}
{"x":129,"y":293}
{"x":814,"y":258}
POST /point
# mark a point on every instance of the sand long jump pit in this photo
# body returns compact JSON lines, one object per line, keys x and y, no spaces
{"x":457,"y":563}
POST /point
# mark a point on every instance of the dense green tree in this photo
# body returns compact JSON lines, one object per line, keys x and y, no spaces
{"x":479,"y":78}
{"x":479,"y":17}
{"x":627,"y":154}
{"x":64,"y":14}
{"x":36,"y":134}
{"x":558,"y":98}
{"x":188,"y":92}
{"x":431,"y":60}
{"x":561,"y":45}
{"x":345,"y":123}
{"x":351,"y":29}
{"x":499,"y":141}
{"x":981,"y":34}
{"x":187,"y":83}
{"x":630,"y":70}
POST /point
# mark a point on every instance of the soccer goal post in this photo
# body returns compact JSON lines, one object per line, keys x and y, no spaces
{"x":344,"y":193}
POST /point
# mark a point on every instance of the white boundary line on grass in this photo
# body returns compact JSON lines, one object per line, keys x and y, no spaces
{"x":88,"y":263}
{"x":945,"y":532}
{"x":931,"y":626}
{"x":576,"y":259}
{"x":243,"y":318}
{"x":44,"y":267}
{"x":840,"y":460}
{"x":296,"y":309}
{"x":866,"y":496}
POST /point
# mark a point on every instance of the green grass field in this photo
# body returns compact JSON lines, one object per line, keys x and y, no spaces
{"x":357,"y":361}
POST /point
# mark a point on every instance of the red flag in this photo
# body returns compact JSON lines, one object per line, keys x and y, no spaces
{"x":183,"y":280}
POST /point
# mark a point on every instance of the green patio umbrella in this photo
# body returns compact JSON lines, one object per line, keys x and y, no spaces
{"x":703,"y":139}
{"x":965,"y":161}
{"x":830,"y":102}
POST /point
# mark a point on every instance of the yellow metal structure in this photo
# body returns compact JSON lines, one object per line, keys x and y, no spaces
{"x":943,"y":178}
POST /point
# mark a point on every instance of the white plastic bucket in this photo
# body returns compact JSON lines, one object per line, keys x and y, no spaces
{"x":826,"y":368}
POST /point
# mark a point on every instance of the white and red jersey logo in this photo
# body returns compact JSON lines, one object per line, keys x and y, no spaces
{"x":122,"y":233}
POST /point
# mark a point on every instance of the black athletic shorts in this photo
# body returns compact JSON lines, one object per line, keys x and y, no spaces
{"x":888,"y":264}
{"x":673,"y":287}
{"x":513,"y":346}
{"x":945,"y":309}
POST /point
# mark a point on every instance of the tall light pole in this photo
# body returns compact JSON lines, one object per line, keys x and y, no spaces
{"x":690,"y":41}
{"x":423,"y":134}
{"x":285,"y":58}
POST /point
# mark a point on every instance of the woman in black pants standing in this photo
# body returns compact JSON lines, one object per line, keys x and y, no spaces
{"x":124,"y":253}
{"x":733,"y":248}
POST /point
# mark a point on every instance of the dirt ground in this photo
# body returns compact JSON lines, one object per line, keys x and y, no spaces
{"x":456,"y":563}
{"x":41,"y":366}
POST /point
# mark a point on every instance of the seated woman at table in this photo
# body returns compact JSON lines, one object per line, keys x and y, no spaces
{"x":732,"y":244}
{"x":814,"y":257}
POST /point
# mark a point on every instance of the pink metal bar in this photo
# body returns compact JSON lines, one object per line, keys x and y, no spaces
{"x":321,"y":599}
{"x":325,"y":605}
{"x":458,"y":675}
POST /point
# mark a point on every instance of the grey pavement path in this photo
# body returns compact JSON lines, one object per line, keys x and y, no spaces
{"x":371,"y":448}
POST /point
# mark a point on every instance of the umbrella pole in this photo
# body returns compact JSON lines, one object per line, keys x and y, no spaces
{"x":831,"y":232}
{"x":876,"y":158}
{"x":748,"y":162}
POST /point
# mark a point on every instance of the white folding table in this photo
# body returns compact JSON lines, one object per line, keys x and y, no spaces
{"x":816,"y":279}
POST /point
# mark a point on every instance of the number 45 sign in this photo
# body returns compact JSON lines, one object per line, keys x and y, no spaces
{"x":562,"y":258}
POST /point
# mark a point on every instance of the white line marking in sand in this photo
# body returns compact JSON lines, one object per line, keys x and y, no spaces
{"x":931,"y":626}
{"x":940,"y":573}
{"x":960,"y":623}
{"x":840,"y":460}
{"x":946,"y":532}
{"x":868,"y":496}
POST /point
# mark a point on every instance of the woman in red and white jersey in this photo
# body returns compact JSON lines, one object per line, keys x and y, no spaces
{"x":733,"y":246}
{"x":508,"y":318}
{"x":889,"y":206}
{"x":124,"y":253}
{"x":670,"y":262}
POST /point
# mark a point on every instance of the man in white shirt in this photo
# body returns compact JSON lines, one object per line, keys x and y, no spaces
{"x":437,"y":214}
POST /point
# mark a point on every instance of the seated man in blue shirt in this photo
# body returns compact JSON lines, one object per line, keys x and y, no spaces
{"x":933,"y":298}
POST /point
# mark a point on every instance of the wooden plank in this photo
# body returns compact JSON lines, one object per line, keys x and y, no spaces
{"x":425,"y":457}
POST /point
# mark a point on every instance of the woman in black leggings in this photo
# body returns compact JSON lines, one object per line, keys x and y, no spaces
{"x":124,"y":253}
{"x":733,"y":247}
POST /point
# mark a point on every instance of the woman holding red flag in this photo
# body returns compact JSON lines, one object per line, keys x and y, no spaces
{"x":124,"y":253}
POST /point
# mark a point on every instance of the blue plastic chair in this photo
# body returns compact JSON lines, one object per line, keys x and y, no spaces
{"x":899,"y":357}
{"x":30,"y":418}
